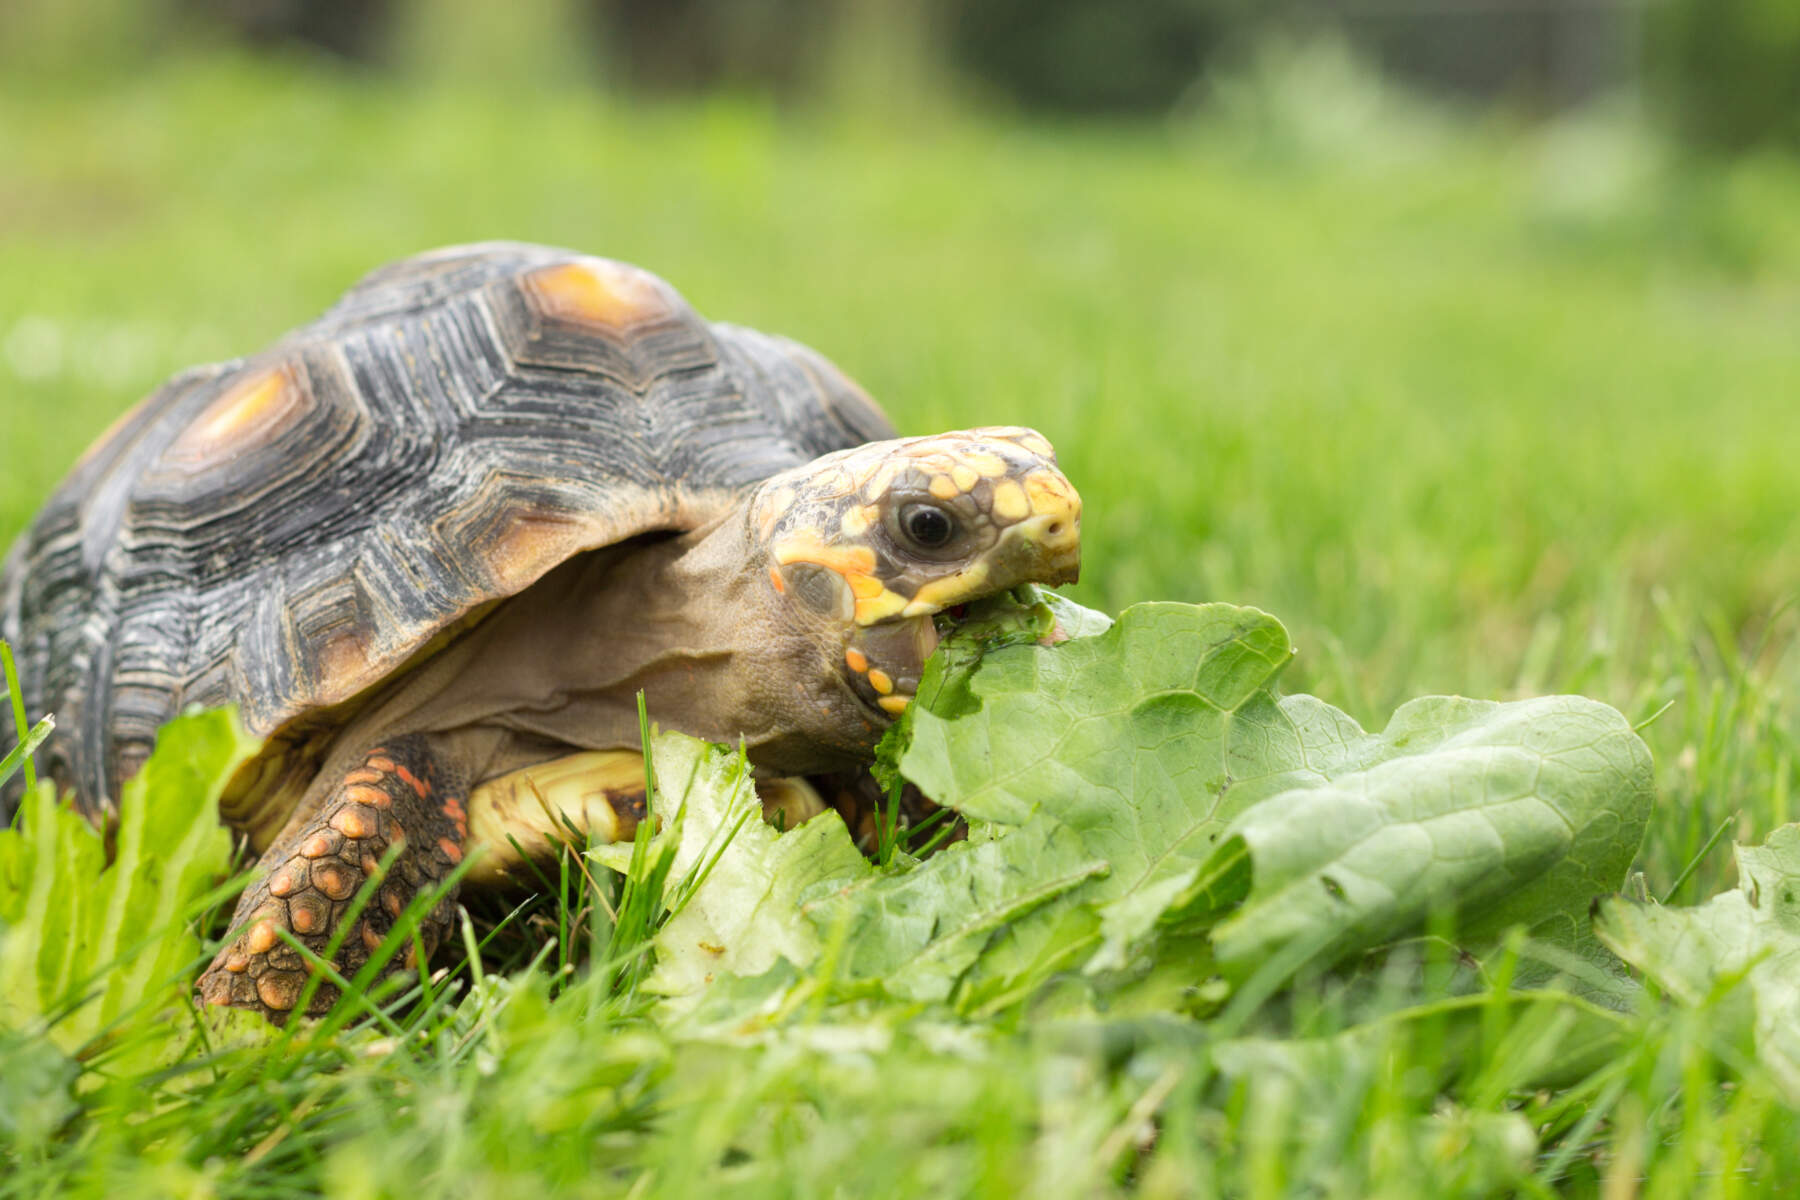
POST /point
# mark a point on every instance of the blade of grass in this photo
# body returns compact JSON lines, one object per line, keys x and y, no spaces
{"x":887,"y":835}
{"x":1694,"y":862}
{"x":945,"y":819}
{"x":641,"y":892}
{"x":20,"y":755}
{"x":25,"y":736}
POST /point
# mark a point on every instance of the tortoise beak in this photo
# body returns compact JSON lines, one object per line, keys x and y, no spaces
{"x":1045,"y":548}
{"x":1054,"y":526}
{"x":1049,"y":540}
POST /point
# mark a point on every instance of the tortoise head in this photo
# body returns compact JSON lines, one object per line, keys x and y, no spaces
{"x":868,"y":545}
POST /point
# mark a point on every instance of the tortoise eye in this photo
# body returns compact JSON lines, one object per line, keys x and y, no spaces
{"x":927,"y":526}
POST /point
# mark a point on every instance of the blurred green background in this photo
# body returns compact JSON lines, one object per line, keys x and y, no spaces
{"x":1461,"y":335}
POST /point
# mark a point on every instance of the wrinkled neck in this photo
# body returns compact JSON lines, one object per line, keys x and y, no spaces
{"x":692,"y":621}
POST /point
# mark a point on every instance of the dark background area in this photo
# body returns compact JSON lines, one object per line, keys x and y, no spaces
{"x":1721,"y":73}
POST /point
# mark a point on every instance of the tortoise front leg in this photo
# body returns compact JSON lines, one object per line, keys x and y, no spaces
{"x":401,"y":793}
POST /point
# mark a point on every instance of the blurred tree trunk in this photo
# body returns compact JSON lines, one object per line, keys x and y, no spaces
{"x":79,"y":40}
{"x":1548,"y":53}
{"x":1728,"y":71}
{"x":349,"y":29}
{"x":1078,"y":56}
{"x":885,"y":59}
{"x":515,"y":44}
{"x":696,"y":45}
{"x":869,"y":58}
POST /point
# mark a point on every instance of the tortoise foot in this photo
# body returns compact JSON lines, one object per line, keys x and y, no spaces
{"x":316,"y":868}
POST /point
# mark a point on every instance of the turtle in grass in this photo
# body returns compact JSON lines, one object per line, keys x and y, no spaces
{"x":434,"y":544}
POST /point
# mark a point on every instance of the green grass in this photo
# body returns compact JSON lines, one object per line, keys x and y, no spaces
{"x":1471,"y":409}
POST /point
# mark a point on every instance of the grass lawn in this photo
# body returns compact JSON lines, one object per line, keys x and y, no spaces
{"x":1472,"y":410}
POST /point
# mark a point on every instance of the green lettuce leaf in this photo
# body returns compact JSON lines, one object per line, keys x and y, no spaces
{"x":1160,"y":747}
{"x":1740,"y":951}
{"x":85,"y":942}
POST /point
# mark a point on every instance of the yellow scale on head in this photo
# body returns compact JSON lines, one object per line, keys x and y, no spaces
{"x":874,"y":602}
{"x":1010,"y":501}
{"x":865,"y":587}
{"x":803,"y":545}
{"x":1048,"y":493}
{"x":877,"y":484}
{"x":857,"y":520}
{"x":990,"y":465}
{"x":879,"y":607}
{"x":941,"y":593}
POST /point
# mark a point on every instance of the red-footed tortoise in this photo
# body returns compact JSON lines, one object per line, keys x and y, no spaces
{"x":433,"y":544}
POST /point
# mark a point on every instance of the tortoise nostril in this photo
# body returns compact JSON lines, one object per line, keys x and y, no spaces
{"x":1054,"y":528}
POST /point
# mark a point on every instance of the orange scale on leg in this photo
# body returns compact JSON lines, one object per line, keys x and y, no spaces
{"x":374,"y":797}
{"x":280,"y":990}
{"x":319,"y":845}
{"x":261,"y":938}
{"x":354,"y":823}
{"x":308,"y":913}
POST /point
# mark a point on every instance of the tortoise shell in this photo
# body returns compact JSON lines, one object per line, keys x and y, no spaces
{"x":285,"y":531}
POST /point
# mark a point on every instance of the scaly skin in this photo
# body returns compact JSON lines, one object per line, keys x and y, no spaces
{"x":400,"y":793}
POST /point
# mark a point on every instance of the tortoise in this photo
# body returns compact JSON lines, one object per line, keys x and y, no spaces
{"x":434,"y":544}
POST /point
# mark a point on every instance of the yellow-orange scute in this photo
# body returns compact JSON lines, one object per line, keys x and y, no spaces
{"x":597,"y":292}
{"x":247,"y":414}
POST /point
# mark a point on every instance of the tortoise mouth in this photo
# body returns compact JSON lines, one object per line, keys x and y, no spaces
{"x":884,"y":660}
{"x":889,"y":658}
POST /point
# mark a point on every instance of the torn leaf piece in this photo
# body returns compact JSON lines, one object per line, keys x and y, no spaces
{"x":1746,"y":940}
{"x":736,"y":882}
